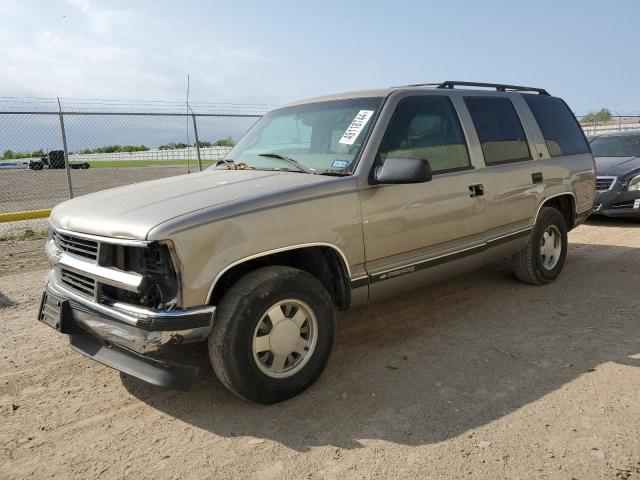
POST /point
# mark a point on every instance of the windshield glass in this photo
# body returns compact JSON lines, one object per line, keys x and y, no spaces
{"x":616,"y":146}
{"x":322,"y":137}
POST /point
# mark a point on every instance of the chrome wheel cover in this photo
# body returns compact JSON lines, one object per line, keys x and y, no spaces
{"x":550,"y":247}
{"x":285,"y":338}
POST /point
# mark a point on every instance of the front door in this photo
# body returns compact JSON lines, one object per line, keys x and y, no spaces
{"x":410,"y":228}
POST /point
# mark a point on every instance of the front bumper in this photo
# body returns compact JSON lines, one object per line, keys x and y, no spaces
{"x":617,"y":202}
{"x":120,"y":335}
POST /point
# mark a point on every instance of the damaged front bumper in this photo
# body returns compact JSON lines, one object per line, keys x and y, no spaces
{"x":119,"y":335}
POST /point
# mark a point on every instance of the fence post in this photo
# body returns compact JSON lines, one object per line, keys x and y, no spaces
{"x":66,"y":152}
{"x":195,"y":132}
{"x":620,"y":123}
{"x":594,"y":123}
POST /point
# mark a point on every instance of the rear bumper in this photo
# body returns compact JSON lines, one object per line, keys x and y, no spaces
{"x":120,"y":336}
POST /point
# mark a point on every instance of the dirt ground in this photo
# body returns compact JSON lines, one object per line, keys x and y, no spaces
{"x":476,"y":377}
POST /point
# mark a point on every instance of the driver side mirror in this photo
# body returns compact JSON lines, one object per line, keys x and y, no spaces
{"x":396,"y":170}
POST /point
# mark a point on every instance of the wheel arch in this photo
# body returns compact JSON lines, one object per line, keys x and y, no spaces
{"x":324,"y":261}
{"x":565,"y":203}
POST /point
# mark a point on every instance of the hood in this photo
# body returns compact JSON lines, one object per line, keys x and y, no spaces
{"x":133,"y":210}
{"x":616,"y":166}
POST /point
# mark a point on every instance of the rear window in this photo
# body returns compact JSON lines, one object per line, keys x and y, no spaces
{"x":561,"y":131}
{"x":499,"y":130}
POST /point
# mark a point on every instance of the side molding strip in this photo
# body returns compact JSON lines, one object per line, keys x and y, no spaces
{"x":414,"y":267}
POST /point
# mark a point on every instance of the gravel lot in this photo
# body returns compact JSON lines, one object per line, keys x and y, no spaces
{"x":477,"y":377}
{"x":24,"y":189}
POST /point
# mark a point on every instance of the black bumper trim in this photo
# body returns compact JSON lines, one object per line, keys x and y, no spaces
{"x":156,"y":372}
{"x":173,"y":324}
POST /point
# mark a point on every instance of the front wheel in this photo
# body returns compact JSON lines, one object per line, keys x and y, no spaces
{"x":541,"y":261}
{"x":273,"y":334}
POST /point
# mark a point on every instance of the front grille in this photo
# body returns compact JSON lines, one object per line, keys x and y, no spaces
{"x":78,"y":282}
{"x":73,"y":245}
{"x":604,"y":183}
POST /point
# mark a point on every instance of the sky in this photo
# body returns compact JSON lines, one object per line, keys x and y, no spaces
{"x":273,"y":52}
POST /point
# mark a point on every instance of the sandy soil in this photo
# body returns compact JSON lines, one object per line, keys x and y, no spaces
{"x":477,"y":377}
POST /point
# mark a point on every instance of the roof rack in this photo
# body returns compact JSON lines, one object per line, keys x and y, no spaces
{"x":498,"y":86}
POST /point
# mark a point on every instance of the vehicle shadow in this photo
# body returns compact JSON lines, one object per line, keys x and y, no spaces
{"x":438,"y":362}
{"x":619,"y":222}
{"x":5,"y":301}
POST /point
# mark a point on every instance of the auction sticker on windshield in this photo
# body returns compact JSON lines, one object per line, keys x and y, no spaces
{"x":356,"y":127}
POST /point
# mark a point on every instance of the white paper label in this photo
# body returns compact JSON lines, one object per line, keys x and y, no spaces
{"x":356,"y":127}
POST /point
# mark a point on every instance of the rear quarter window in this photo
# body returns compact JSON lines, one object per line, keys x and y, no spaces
{"x":500,"y":132}
{"x":559,"y":127}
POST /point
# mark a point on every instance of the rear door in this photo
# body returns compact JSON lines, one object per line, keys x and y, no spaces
{"x":410,"y":227}
{"x":567,"y":163}
{"x":512,"y":180}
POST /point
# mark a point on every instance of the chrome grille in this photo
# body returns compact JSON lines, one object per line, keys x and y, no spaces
{"x":604,"y":183}
{"x":78,"y":246}
{"x":78,"y":282}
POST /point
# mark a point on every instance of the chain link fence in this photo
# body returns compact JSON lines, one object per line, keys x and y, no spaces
{"x":48,"y":155}
{"x":593,"y":126}
{"x":51,"y":151}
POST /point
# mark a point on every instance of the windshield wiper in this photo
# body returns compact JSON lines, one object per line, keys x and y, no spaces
{"x":290,"y":161}
{"x":334,"y":173}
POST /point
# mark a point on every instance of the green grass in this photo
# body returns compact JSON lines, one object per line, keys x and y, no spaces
{"x":148,"y":163}
{"x":27,"y":234}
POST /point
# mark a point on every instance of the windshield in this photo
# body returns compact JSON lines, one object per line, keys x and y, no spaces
{"x":616,"y":146}
{"x":320,"y":137}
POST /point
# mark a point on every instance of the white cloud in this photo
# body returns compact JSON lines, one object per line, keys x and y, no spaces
{"x":58,"y":64}
{"x":96,"y":53}
{"x":102,"y":20}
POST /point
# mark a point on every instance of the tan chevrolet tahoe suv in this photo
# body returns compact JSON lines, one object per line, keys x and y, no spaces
{"x":324,"y":205}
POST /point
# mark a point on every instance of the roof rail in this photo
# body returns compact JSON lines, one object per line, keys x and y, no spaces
{"x":498,"y":86}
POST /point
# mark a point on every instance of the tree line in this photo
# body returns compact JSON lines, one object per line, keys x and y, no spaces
{"x":225,"y":142}
{"x":602,"y":115}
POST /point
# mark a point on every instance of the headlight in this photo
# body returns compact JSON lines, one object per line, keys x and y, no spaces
{"x":161,"y":285}
{"x":634,"y":184}
{"x":50,"y":232}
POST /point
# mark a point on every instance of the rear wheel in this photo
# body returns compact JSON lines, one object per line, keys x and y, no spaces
{"x":272,"y":334}
{"x":541,"y":261}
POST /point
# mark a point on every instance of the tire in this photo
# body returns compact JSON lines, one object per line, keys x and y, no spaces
{"x":245,"y":311}
{"x":529,"y":265}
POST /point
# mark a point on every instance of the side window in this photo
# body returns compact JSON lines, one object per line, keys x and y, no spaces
{"x":499,"y":129}
{"x":561,"y":131}
{"x":426,"y":127}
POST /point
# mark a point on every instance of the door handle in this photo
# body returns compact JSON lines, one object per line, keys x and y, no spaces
{"x":476,"y":190}
{"x":536,"y":177}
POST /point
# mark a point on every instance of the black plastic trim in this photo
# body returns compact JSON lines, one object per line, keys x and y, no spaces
{"x":361,"y":282}
{"x":156,"y":372}
{"x":173,"y":324}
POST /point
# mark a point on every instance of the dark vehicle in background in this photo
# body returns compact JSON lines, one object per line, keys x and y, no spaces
{"x":618,"y":174}
{"x":55,"y":160}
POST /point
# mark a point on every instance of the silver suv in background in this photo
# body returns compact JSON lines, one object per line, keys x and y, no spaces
{"x":324,"y":205}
